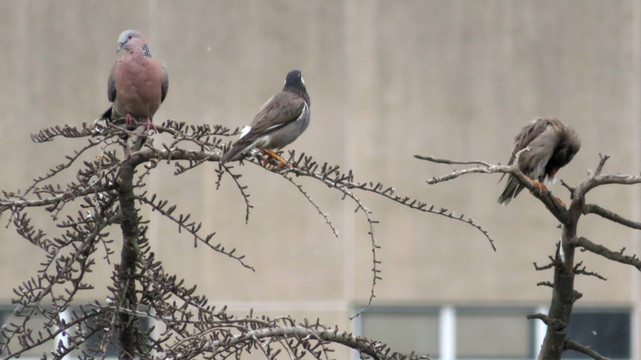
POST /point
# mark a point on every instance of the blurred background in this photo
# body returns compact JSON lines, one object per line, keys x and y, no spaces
{"x":387,"y":80}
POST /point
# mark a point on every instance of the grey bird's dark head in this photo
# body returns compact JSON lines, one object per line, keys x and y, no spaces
{"x":294,"y":83}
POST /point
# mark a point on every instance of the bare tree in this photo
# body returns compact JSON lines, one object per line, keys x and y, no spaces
{"x":564,"y":262}
{"x":107,"y":193}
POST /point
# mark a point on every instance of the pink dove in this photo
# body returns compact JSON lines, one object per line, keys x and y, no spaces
{"x":138,"y":82}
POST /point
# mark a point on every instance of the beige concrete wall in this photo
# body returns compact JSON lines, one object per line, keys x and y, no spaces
{"x":387,"y":80}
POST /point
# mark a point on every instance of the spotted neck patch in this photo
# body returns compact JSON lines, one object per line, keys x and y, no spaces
{"x":145,"y":51}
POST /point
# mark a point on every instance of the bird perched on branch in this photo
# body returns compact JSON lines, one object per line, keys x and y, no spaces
{"x":278,"y":123}
{"x":540,"y":149}
{"x":138,"y":82}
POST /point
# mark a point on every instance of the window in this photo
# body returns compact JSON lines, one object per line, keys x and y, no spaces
{"x":404,"y":329}
{"x":483,"y":333}
{"x":606,"y":331}
{"x":473,"y":333}
{"x":92,"y":330}
{"x":9,"y":316}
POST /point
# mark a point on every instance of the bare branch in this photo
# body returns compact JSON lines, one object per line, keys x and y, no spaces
{"x":579,"y":269}
{"x":61,"y":167}
{"x":544,"y":267}
{"x":609,"y":254}
{"x":565,"y":185}
{"x":332,"y":177}
{"x":476,"y":170}
{"x":552,"y":203}
{"x":538,"y":316}
{"x":573,"y":345}
{"x":183,"y":130}
{"x":599,"y":167}
{"x":374,"y":247}
{"x":63,"y":131}
{"x":242,"y":188}
{"x":374,"y":349}
{"x":313,"y":203}
{"x":191,"y":227}
{"x":597,"y":179}
{"x":545,"y":283}
{"x":612,"y":216}
{"x":452,"y":162}
{"x":64,"y":196}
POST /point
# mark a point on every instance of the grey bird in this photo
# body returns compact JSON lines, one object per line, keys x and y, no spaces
{"x":541,"y":148}
{"x":278,"y":123}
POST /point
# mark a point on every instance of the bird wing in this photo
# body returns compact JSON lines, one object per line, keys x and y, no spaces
{"x":280,"y":110}
{"x":165,"y":82}
{"x":527,"y":135}
{"x":111,"y":84}
{"x":534,"y":161}
{"x":111,"y":93}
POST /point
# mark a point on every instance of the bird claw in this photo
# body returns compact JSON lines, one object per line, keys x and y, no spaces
{"x":540,"y":187}
{"x":272,"y":155}
{"x":149,"y":125}
{"x":129,"y":120}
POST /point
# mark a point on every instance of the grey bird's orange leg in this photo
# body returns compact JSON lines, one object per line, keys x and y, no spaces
{"x":540,"y":187}
{"x":276,"y":157}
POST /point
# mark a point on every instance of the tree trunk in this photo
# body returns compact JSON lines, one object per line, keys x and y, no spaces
{"x":127,"y":324}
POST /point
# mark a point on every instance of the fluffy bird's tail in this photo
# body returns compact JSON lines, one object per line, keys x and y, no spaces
{"x":512,"y":188}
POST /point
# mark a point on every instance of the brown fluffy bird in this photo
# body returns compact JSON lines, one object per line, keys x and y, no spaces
{"x":541,"y":148}
{"x":279,"y":121}
{"x":138,"y":82}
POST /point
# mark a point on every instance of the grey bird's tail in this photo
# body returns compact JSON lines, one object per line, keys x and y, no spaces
{"x":236,"y":151}
{"x":512,"y":188}
{"x":230,"y":155}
